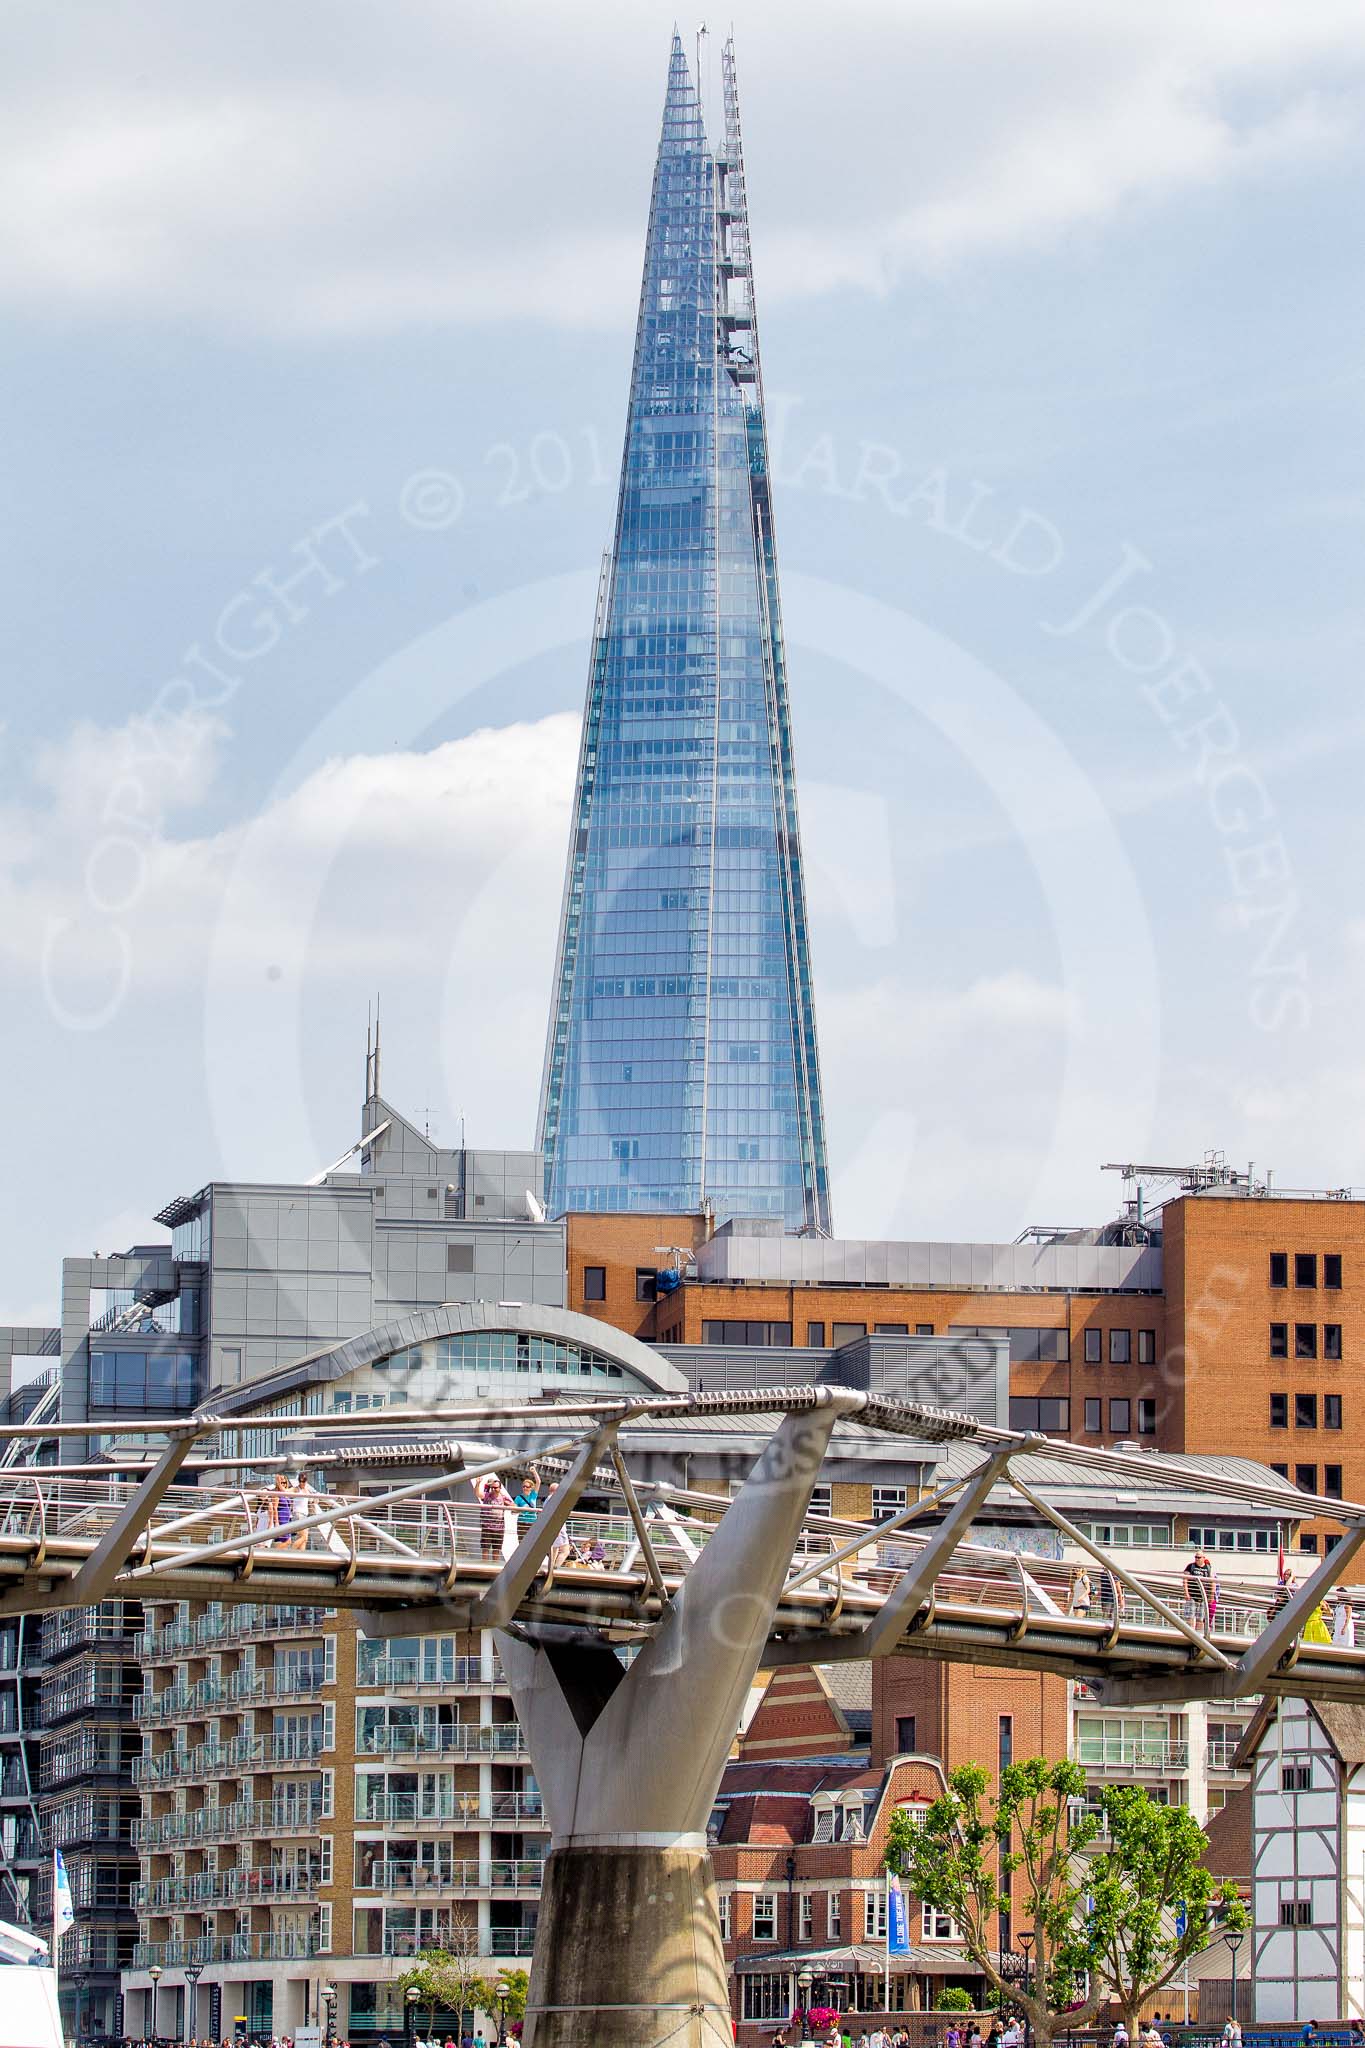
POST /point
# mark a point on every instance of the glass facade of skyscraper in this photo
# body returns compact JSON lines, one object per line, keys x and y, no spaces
{"x":681,"y":1065}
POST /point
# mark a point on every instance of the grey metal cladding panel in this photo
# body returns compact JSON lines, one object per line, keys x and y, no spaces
{"x":230,"y":1251}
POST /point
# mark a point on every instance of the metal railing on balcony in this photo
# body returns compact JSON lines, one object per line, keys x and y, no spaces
{"x":85,"y":1820}
{"x":85,"y":1757}
{"x":205,"y":1760}
{"x":249,"y":1623}
{"x":453,"y":1874}
{"x":72,"y":1628}
{"x":468,"y":1738}
{"x":224,"y":1695}
{"x":211,"y":1888}
{"x":108,"y":1686}
{"x":245,"y":1817}
{"x":469,"y":1809}
{"x":378,"y":1673}
{"x":1220,"y":1754}
{"x":512,"y":1941}
{"x":1127,"y":1754}
{"x":281,"y":1947}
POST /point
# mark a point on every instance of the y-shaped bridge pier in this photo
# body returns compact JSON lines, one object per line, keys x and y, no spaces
{"x":630,"y":1672}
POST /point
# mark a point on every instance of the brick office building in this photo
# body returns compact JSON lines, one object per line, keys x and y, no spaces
{"x":801,"y":1822}
{"x":1228,"y":1320}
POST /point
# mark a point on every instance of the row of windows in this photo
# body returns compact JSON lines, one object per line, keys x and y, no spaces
{"x":1305,"y":1411}
{"x":1120,"y":1347}
{"x":1306,"y":1477}
{"x":1305,"y":1340}
{"x":1052,"y":1414}
{"x":935,"y":1924}
{"x":1305,"y":1269}
{"x":1209,"y":1537}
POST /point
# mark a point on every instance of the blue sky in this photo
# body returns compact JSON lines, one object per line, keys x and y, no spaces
{"x":1060,"y":314}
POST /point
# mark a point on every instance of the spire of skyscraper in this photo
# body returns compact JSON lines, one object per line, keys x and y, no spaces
{"x":681,"y":1066}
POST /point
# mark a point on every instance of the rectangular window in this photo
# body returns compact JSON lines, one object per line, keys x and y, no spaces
{"x":1331,"y":1481}
{"x":766,"y":1996}
{"x":1331,"y":1411}
{"x":1305,"y":1269}
{"x":765,"y":1916}
{"x":1092,"y":1347}
{"x":935,"y":1924}
{"x":1120,"y":1346}
{"x":1280,"y":1471}
{"x":1308,"y":1545}
{"x":1146,"y":1418}
{"x":459,"y":1258}
{"x":835,"y":1911}
{"x":848,"y":1333}
{"x":1028,"y":1411}
{"x":1146,"y":1347}
{"x":1120,"y":1417}
{"x":1305,"y":1340}
{"x":1279,"y":1411}
{"x":887,"y":1501}
{"x":822,"y":1500}
{"x":1331,"y":1269}
{"x":594,"y":1283}
{"x":1279,"y":1269}
{"x":806,"y":1916}
{"x":1305,"y":1411}
{"x":924,"y":1329}
{"x":726,"y":1919}
{"x":646,"y":1283}
{"x":1331,"y":1340}
{"x":1093,"y":1425}
{"x":874,"y":1915}
{"x":1306,"y":1476}
{"x":891,"y":1329}
{"x":1279,"y":1340}
{"x":1296,"y":1912}
{"x":815,"y":1335}
{"x":1005,"y":1741}
{"x":905,"y":1734}
{"x":1295,"y":1777}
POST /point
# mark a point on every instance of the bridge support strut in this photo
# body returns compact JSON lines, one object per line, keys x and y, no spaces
{"x":629,"y":1760}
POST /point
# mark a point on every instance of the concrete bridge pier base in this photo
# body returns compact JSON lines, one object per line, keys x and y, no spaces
{"x":628,"y":1949}
{"x":629,"y":1759}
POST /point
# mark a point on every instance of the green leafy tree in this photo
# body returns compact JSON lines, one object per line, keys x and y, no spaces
{"x":448,"y":1982}
{"x":1106,"y":1915}
{"x":953,"y":1998}
{"x":518,"y":1985}
{"x":1145,"y":1884}
{"x":1031,"y":1838}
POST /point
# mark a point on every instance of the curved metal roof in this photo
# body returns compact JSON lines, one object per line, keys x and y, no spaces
{"x":454,"y":1319}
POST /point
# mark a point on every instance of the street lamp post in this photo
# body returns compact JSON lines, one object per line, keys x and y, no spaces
{"x":504,"y":1992}
{"x":193,"y":1972}
{"x":78,"y":1979}
{"x":1234,"y":1942}
{"x":155,"y":1974}
{"x":410,"y":1999}
{"x":803,"y":1984}
{"x":328,"y":1994}
{"x":1026,"y":1942}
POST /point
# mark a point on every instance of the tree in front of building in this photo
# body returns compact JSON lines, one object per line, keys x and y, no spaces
{"x":1122,"y":1917}
{"x":447,"y":1981}
{"x":1022,"y":1855}
{"x":1152,"y":1904}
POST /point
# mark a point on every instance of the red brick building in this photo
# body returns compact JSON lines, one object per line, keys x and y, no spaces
{"x":801,"y":1823}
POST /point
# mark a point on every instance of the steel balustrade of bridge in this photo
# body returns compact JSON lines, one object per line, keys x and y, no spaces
{"x":410,"y":1556}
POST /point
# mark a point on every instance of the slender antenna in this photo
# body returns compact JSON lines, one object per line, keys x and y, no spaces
{"x":369,"y":1056}
{"x":376,"y":1043}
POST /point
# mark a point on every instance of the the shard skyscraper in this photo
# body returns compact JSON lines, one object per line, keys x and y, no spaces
{"x":681,"y":1066}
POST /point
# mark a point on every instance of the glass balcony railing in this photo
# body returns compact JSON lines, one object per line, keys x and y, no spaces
{"x":281,"y":1947}
{"x":470,"y":1738}
{"x":247,"y":1817}
{"x":224,"y":1695}
{"x":378,"y":1673}
{"x":1105,"y":1753}
{"x":214,"y":1888}
{"x":468,"y":1809}
{"x":249,"y":1623}
{"x":454,"y":1874}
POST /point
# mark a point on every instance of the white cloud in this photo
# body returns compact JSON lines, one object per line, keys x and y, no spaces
{"x":337,"y":170}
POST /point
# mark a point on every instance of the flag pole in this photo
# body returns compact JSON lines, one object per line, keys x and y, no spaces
{"x":886,"y":1953}
{"x":56,"y":1980}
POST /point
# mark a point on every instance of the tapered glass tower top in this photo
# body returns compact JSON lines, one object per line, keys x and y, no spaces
{"x":681,"y":1065}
